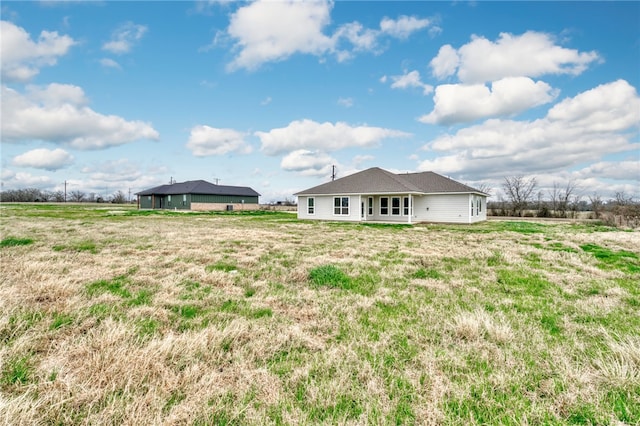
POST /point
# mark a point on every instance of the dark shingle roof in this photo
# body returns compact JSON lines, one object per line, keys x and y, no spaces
{"x":376,"y":180}
{"x":199,"y":187}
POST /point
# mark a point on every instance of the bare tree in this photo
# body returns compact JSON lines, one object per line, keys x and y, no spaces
{"x":483,"y":187}
{"x":596,"y":205}
{"x":519,"y":191}
{"x":77,"y":196}
{"x":118,"y":198}
{"x":58,"y":196}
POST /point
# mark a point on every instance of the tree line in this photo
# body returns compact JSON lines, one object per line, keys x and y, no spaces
{"x":522,"y":197}
{"x":31,"y":195}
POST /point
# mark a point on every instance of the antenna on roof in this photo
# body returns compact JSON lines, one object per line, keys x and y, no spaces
{"x":333,"y":172}
{"x":217,"y":180}
{"x":171,"y":180}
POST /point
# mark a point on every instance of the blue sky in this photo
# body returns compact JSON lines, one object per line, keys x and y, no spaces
{"x":124,"y":96}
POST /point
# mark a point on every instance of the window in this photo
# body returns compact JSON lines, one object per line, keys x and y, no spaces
{"x":169,"y":198}
{"x":341,"y":206}
{"x":370,"y":206}
{"x":479,"y":205}
{"x":384,"y":206}
{"x":311,"y":205}
{"x":395,"y":206}
{"x":405,"y":207}
{"x":471,"y":207}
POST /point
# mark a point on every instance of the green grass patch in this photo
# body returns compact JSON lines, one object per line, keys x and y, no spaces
{"x":142,"y":297}
{"x":147,"y":327}
{"x":80,"y":246}
{"x":221,"y":266}
{"x":187,"y":312}
{"x":17,"y":371}
{"x":13,"y":242}
{"x":19,"y":323}
{"x":423,"y":273}
{"x":193,"y":290}
{"x":623,"y":260}
{"x":330,"y":276}
{"x":60,"y":320}
{"x":523,"y":282}
{"x":116,"y":286}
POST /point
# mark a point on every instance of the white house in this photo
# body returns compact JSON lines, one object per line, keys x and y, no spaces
{"x":381,"y":196}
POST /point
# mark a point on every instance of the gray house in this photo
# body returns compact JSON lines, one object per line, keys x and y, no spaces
{"x":198,"y":195}
{"x":381,"y":196}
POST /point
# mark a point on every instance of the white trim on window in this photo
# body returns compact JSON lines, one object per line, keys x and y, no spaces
{"x":341,"y":206}
{"x":395,"y":206}
{"x":384,"y":206}
{"x":311,"y":206}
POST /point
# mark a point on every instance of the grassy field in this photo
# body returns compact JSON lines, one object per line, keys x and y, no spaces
{"x":126,"y":317}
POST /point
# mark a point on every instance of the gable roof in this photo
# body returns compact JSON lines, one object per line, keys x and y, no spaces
{"x":201,"y":187}
{"x":378,"y":181}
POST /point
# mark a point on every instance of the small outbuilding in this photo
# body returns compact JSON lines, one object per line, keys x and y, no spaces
{"x":198,"y":195}
{"x":377,"y":195}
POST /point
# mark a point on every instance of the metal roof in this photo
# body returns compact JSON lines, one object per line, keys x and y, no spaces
{"x":378,"y":181}
{"x":201,"y":187}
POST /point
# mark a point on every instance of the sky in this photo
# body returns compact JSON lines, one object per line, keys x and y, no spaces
{"x":122,"y":96}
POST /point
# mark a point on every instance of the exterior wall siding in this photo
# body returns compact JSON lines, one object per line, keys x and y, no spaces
{"x":198,"y":202}
{"x":226,"y":199}
{"x":223,"y":206}
{"x":446,"y":208}
{"x":323,"y":209}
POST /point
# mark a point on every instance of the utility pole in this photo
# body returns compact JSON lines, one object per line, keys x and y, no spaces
{"x":129,"y":195}
{"x":65,"y":191}
{"x":333,"y":172}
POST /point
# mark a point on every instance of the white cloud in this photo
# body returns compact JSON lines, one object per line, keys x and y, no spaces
{"x":407,"y":80}
{"x":311,"y":135}
{"x":272,"y":31}
{"x":266,"y":101}
{"x":124,"y":38}
{"x":359,"y":159}
{"x":205,"y":141}
{"x":57,"y":113}
{"x":458,"y":103}
{"x":531,"y":54}
{"x":345,"y":102}
{"x":44,"y":159}
{"x":576,"y":131}
{"x":22,"y":57}
{"x":362,"y":39}
{"x":56,"y":94}
{"x":403,"y":27}
{"x":617,"y":170}
{"x":267,"y":31}
{"x":609,"y":107}
{"x":20,"y":180}
{"x":446,"y":62}
{"x":110,"y":63}
{"x":308,"y":163}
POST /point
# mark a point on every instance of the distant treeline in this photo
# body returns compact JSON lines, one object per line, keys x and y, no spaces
{"x":521,"y":198}
{"x":34,"y":195}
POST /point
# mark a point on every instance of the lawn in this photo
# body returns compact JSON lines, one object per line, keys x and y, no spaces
{"x":113,"y":316}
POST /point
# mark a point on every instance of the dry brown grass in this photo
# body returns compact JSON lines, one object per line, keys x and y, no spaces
{"x":212,"y":319}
